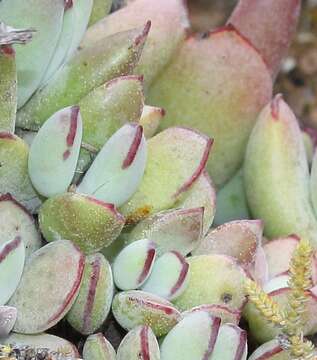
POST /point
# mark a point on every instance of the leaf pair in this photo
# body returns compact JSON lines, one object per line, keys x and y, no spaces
{"x":114,"y":175}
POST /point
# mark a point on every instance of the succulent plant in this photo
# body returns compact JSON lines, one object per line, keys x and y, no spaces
{"x":290,"y":318}
{"x":111,"y":141}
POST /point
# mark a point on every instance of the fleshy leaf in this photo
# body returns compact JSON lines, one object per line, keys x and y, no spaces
{"x":93,"y":302}
{"x":133,"y":308}
{"x":42,"y":341}
{"x":238,"y":239}
{"x":232,"y":201}
{"x":75,"y":22}
{"x":97,"y":347}
{"x":167,"y":17}
{"x":14,"y":177}
{"x":277,"y":264}
{"x":8,"y":89}
{"x":231,"y":343}
{"x":169,"y":276}
{"x":108,"y":107}
{"x":213,"y":279}
{"x":17,"y":221}
{"x":100,"y":9}
{"x":150,"y":119}
{"x":91,"y":67}
{"x":201,"y":194}
{"x":179,"y":229}
{"x":276,"y":147}
{"x":12,"y":256}
{"x":139,"y":343}
{"x":313,"y":182}
{"x":91,"y":224}
{"x":192,"y":338}
{"x":309,"y":139}
{"x":32,"y":60}
{"x":63,"y":43}
{"x":8,"y":316}
{"x":207,"y":87}
{"x":134,"y":264}
{"x":223,"y":312}
{"x":54,"y":152}
{"x":82,"y":12}
{"x":56,"y":271}
{"x":104,"y":110}
{"x":269,"y":25}
{"x":117,"y":171}
{"x":269,"y":351}
{"x":176,"y":158}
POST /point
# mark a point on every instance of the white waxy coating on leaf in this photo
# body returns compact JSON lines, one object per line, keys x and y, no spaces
{"x":201,"y":194}
{"x":276,"y":263}
{"x":192,"y":338}
{"x":93,"y":302}
{"x":56,"y":270}
{"x":118,"y":169}
{"x":213,"y":279}
{"x":226,"y":314}
{"x":8,"y":316}
{"x":139,"y":343}
{"x":239,"y":239}
{"x":176,"y":158}
{"x":133,"y":308}
{"x":89,"y":223}
{"x":176,"y":229}
{"x":169,"y":276}
{"x":14,"y":177}
{"x":54,"y":152}
{"x":270,"y":350}
{"x":12,"y":256}
{"x":16,"y":220}
{"x":46,"y":17}
{"x":134,"y":264}
{"x":82,"y":11}
{"x":63,"y":44}
{"x":97,"y":347}
{"x":276,"y":174}
{"x":231,"y":344}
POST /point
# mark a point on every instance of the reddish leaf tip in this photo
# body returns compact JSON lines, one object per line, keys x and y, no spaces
{"x":163,"y":112}
{"x":275,"y":106}
{"x":108,"y":206}
{"x":231,"y":28}
{"x":7,"y":135}
{"x":7,"y":50}
{"x":134,"y":146}
{"x":141,"y":38}
{"x":201,"y":167}
{"x":295,"y":237}
{"x":68,"y":4}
